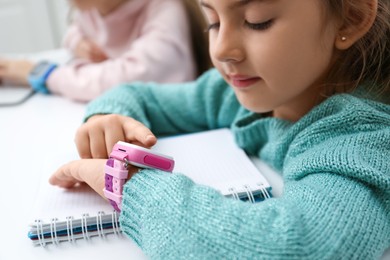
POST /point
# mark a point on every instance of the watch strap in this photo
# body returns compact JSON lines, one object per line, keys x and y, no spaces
{"x":38,"y":77}
{"x":116,"y":174}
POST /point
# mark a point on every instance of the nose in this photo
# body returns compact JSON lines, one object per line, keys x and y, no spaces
{"x":227,"y":46}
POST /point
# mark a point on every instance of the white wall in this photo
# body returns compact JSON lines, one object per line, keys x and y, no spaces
{"x":31,"y":25}
{"x":59,"y":10}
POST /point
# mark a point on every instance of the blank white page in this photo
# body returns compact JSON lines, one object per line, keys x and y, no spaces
{"x":54,"y":202}
{"x":212,"y":158}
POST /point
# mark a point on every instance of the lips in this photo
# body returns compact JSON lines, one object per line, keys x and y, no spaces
{"x":242,"y":81}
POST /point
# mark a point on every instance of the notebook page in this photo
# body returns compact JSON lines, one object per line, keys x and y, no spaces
{"x":212,"y":158}
{"x":68,"y":214}
{"x":55,"y":202}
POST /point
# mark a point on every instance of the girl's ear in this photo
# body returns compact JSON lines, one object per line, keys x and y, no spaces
{"x":359,"y":17}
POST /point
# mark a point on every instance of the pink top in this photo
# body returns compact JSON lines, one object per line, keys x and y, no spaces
{"x":146,"y":40}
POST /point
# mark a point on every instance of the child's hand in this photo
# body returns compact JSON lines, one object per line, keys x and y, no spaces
{"x":100,"y":133}
{"x":90,"y":171}
{"x":87,"y":49}
{"x":15,"y":71}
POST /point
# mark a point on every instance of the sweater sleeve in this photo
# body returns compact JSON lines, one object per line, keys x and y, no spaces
{"x":207,"y":103}
{"x":322,"y":216}
{"x":161,"y":53}
{"x":72,"y":37}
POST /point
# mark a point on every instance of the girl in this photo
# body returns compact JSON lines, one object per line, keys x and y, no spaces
{"x":121,"y":41}
{"x":304,"y":85}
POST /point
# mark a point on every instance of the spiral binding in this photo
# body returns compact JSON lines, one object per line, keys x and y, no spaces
{"x":53,"y":231}
{"x":115,"y":225}
{"x":249,"y":195}
{"x":234,"y":193}
{"x":264,"y":191}
{"x":84,"y":226}
{"x":41,"y":238}
{"x":69,"y":228}
{"x":72,"y":229}
{"x":99,"y":224}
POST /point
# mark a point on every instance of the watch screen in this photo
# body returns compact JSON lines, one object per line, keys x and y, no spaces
{"x":39,"y":69}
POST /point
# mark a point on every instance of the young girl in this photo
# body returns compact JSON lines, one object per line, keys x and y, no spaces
{"x":304,"y":85}
{"x":120,"y":41}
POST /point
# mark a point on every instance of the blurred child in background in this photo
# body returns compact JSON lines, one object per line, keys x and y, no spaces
{"x":120,"y":41}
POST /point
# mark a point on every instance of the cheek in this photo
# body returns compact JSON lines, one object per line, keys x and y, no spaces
{"x":295,"y":61}
{"x":212,"y":48}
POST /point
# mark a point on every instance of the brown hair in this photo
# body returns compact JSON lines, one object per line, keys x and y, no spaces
{"x":199,"y":38}
{"x":368,"y":60}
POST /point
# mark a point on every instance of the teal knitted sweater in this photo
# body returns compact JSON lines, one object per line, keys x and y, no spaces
{"x":335,"y":163}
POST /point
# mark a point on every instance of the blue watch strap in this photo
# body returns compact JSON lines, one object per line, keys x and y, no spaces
{"x":39,"y":75}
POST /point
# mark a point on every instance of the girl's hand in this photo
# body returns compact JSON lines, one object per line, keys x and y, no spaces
{"x":15,"y":71}
{"x":87,"y":49}
{"x":100,"y":133}
{"x":90,"y":171}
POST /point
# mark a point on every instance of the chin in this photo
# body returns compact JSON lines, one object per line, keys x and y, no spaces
{"x":255,"y":106}
{"x":256,"y":109}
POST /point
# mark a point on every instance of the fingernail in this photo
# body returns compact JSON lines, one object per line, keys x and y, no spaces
{"x":149,"y":137}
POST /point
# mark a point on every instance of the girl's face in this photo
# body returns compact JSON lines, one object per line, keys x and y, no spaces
{"x":274,"y":53}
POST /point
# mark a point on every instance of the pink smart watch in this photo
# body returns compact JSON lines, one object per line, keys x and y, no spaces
{"x":116,"y":172}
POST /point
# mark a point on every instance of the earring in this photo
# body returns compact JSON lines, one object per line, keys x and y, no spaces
{"x":343,"y":38}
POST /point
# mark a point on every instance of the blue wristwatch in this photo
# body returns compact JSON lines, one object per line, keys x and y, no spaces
{"x":39,"y":75}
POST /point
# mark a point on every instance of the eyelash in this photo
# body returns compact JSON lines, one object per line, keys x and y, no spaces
{"x":212,"y":26}
{"x":259,"y":26}
{"x":253,"y":26}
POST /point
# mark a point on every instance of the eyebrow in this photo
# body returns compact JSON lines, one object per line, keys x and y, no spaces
{"x":237,"y":3}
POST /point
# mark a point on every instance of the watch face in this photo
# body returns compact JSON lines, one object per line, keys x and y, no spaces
{"x":39,"y":69}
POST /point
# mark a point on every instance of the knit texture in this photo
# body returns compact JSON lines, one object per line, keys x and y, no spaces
{"x":335,"y":164}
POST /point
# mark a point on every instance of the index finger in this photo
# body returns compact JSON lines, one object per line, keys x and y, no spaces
{"x":136,"y":132}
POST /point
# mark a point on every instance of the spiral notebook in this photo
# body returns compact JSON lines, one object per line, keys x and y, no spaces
{"x":209,"y":158}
